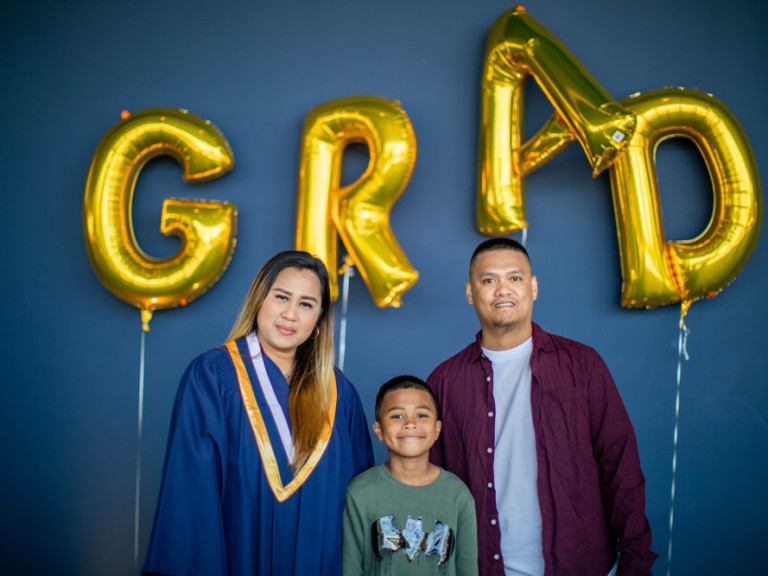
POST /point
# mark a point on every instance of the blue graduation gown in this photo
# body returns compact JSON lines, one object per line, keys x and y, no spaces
{"x":217,"y":514}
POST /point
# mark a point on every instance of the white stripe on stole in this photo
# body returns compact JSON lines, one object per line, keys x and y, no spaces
{"x":269,"y":393}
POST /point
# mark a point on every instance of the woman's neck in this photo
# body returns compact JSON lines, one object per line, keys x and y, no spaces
{"x":282,"y":359}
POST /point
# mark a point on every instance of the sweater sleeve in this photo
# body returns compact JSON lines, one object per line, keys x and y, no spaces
{"x":466,"y":539}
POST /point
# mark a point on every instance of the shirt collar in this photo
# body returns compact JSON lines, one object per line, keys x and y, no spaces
{"x":541,"y":340}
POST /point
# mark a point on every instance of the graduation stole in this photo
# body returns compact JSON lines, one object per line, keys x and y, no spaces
{"x":274,"y":412}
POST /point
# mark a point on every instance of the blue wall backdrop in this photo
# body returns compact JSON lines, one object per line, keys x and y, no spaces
{"x":71,"y":350}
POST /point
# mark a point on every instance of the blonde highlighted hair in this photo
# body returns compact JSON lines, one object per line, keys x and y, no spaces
{"x":312,"y":375}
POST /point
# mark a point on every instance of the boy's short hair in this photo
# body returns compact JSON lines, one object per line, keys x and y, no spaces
{"x":405,"y":381}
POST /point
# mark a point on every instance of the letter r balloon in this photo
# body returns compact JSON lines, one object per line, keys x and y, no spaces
{"x":358,"y":212}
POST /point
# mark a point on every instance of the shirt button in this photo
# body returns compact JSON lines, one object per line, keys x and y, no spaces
{"x":490,"y":450}
{"x":495,"y":556}
{"x":487,"y":378}
{"x":490,"y":414}
{"x":490,"y":484}
{"x":493,"y":522}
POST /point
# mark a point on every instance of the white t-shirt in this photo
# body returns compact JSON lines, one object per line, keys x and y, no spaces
{"x":514,"y":465}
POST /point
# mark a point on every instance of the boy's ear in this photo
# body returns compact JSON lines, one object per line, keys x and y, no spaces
{"x":377,"y":430}
{"x":438,"y":428}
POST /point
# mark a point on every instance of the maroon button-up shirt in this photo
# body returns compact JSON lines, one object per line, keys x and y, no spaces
{"x":590,"y":485}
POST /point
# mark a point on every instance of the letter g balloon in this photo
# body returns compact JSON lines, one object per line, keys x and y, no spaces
{"x":207,"y":229}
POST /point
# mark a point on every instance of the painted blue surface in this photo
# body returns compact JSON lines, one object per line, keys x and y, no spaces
{"x":71,"y":349}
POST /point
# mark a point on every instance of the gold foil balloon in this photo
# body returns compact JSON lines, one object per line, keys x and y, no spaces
{"x":656,"y":272}
{"x":359,"y":212}
{"x":207,"y":229}
{"x":518,"y":46}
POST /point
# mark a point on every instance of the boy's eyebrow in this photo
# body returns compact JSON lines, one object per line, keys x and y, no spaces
{"x":419,"y":407}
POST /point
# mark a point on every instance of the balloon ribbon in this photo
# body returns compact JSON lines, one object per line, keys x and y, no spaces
{"x":348,"y":270}
{"x":140,"y":421}
{"x":682,"y":352}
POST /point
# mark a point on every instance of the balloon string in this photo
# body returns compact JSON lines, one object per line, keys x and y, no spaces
{"x":682,"y":352}
{"x":138,"y":454}
{"x":348,"y":270}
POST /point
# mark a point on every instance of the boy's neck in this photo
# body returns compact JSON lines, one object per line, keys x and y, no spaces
{"x":413,"y":471}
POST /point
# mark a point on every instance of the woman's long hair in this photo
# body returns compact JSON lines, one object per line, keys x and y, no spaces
{"x":312,"y":375}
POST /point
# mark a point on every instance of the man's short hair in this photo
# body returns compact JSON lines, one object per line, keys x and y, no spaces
{"x":500,"y":243}
{"x":403,"y":382}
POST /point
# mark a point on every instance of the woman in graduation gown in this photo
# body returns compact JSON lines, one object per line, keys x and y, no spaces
{"x":265,"y":436}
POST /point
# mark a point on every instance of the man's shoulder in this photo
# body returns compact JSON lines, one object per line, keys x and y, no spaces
{"x":458,"y":361}
{"x":549,"y":341}
{"x":553,"y":352}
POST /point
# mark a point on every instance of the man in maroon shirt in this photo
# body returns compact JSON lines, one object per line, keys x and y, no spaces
{"x":534,"y":424}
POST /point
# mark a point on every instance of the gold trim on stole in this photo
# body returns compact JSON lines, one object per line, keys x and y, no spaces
{"x":268,"y":460}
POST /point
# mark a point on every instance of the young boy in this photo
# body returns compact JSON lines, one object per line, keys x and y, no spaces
{"x":408,"y":516}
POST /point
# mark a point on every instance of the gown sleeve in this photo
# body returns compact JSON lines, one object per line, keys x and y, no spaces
{"x":188,"y":533}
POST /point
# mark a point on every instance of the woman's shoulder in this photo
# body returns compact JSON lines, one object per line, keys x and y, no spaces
{"x":212,"y":368}
{"x":213,"y":358}
{"x":341,"y":379}
{"x":345,"y":390}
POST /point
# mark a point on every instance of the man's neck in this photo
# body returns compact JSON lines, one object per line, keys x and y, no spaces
{"x":505,"y":338}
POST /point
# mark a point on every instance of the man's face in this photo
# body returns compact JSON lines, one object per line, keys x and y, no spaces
{"x":502,"y":290}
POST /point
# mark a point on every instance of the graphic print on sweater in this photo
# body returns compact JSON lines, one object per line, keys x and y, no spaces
{"x":412,"y":541}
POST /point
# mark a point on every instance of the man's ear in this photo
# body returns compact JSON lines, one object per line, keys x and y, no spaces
{"x":469,"y":292}
{"x":535,"y":287}
{"x":377,"y":430}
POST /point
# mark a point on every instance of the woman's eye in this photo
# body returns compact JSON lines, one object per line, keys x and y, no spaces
{"x":307,"y":305}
